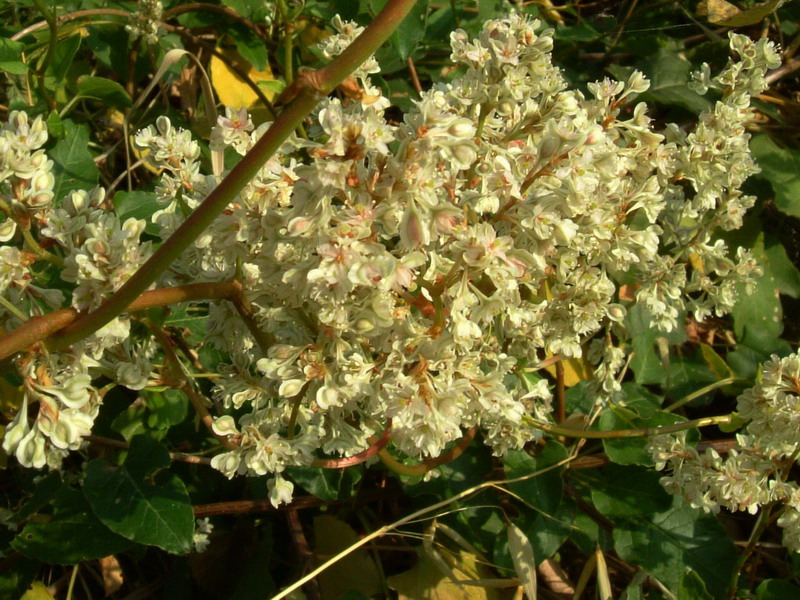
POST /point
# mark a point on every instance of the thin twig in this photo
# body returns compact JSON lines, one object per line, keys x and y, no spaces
{"x":431,"y":463}
{"x":180,"y":381}
{"x":176,"y":456}
{"x":561,"y":394}
{"x":626,"y":433}
{"x":412,"y":71}
{"x":413,"y":517}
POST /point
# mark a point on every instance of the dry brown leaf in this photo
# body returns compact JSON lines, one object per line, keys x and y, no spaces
{"x":716,"y":10}
{"x":112,"y":574}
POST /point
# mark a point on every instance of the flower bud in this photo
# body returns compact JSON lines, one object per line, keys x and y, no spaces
{"x":413,"y":228}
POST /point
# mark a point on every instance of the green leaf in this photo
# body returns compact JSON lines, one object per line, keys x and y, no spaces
{"x":777,"y":589}
{"x":545,"y":531}
{"x":546,"y":516}
{"x":47,"y":488}
{"x":109,"y":47}
{"x":781,"y":167}
{"x":758,"y":317}
{"x":667,"y":542}
{"x":249,"y":45}
{"x":106,"y":90}
{"x":411,"y":30}
{"x":167,"y":408}
{"x":14,"y":67}
{"x":72,"y":535}
{"x":255,"y":11}
{"x":581,"y":32}
{"x":715,"y":362}
{"x":687,"y":374}
{"x":156,"y":514}
{"x":10,"y":51}
{"x":62,"y":56}
{"x":55,"y":126}
{"x":692,"y":587}
{"x":626,"y":493}
{"x":73,"y":166}
{"x":454,"y":477}
{"x":137,"y":205}
{"x":187,"y":317}
{"x":646,"y":362}
{"x":631,"y":451}
{"x":327,"y":484}
{"x":735,"y":424}
{"x":131,"y":421}
{"x":543,"y":491}
{"x":669,"y":74}
{"x":785,"y":274}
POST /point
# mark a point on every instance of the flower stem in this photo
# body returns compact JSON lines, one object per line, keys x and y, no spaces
{"x":50,"y":18}
{"x":702,"y":391}
{"x":626,"y":433}
{"x":37,"y":250}
{"x":445,"y":457}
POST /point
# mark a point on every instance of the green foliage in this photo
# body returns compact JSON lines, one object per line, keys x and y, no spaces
{"x":137,"y":504}
{"x":74,"y":534}
{"x":74,"y":164}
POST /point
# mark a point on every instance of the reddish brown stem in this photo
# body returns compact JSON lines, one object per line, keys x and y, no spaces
{"x":236,"y":507}
{"x":431,"y":463}
{"x":341,"y":463}
{"x":561,"y":394}
{"x":39,"y":328}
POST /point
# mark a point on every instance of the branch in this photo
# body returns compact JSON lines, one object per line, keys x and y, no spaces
{"x":40,"y":328}
{"x":431,"y":463}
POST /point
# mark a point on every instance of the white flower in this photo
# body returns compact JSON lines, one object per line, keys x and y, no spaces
{"x":280,"y":490}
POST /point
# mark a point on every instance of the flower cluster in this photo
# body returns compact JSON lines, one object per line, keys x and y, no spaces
{"x":410,"y":276}
{"x":145,"y":22}
{"x":26,"y":178}
{"x":67,"y":408}
{"x":754,"y":474}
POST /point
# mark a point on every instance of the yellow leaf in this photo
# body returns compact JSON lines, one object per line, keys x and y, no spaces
{"x":139,"y":154}
{"x":37,"y":591}
{"x":716,"y":10}
{"x":426,"y":580}
{"x":715,"y":362}
{"x":356,"y":571}
{"x":232,"y":89}
{"x":309,"y":33}
{"x":10,"y":398}
{"x":750,"y":16}
{"x":575,"y":370}
{"x":697,"y":262}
